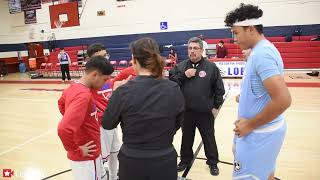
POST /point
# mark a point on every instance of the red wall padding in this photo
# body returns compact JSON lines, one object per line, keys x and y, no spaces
{"x":301,"y":60}
{"x":301,"y":55}
{"x":301,"y":65}
{"x":299,"y":49}
{"x":303,"y":38}
{"x":276,"y":39}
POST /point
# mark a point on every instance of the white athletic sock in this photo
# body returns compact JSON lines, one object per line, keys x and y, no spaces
{"x":113,"y":177}
{"x":113,"y":166}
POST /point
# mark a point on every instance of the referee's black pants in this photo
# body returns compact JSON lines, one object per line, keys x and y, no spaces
{"x":155,"y":168}
{"x":204,"y":121}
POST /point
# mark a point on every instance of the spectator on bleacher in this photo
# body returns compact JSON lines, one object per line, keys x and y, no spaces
{"x":205,"y":46}
{"x":3,"y":69}
{"x":64,"y":60}
{"x":221,"y":50}
{"x":173,"y":56}
{"x":98,"y":49}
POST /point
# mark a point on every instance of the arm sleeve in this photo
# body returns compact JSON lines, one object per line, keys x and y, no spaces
{"x":177,"y":76}
{"x":218,"y":88}
{"x":71,"y":122}
{"x":266,"y":66}
{"x":112,"y":114}
{"x":121,"y":76}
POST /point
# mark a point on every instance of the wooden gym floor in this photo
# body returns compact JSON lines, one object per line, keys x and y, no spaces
{"x":30,"y":145}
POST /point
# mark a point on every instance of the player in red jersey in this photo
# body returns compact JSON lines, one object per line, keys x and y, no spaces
{"x":110,"y":139}
{"x":79,"y":129}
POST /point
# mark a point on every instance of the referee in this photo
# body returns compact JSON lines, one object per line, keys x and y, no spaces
{"x":203,"y":90}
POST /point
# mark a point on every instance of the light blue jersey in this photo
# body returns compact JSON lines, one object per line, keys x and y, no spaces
{"x":256,"y":153}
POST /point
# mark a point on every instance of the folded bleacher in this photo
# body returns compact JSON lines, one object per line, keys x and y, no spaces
{"x":301,"y":53}
{"x":51,"y":68}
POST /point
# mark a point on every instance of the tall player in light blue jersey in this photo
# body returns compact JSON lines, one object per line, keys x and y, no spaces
{"x":261,"y":127}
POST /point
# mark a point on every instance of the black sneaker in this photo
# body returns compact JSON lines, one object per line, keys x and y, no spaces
{"x":214,"y":170}
{"x":313,"y":73}
{"x":182,"y":166}
{"x":277,"y":178}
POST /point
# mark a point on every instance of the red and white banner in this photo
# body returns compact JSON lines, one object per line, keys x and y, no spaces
{"x":30,"y":4}
{"x":30,"y":17}
{"x":14,"y":6}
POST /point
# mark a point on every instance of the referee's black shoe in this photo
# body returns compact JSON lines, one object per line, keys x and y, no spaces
{"x":182,"y":166}
{"x":214,"y":170}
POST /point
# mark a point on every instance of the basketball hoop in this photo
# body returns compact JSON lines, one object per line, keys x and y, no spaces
{"x":58,"y":24}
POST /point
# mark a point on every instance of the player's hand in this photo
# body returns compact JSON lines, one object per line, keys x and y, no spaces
{"x":242,"y":127}
{"x":237,"y":98}
{"x":215,"y":112}
{"x":190,"y":72}
{"x":88,"y":149}
{"x":120,"y":83}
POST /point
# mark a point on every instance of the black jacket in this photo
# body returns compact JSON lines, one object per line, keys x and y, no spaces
{"x":150,"y":112}
{"x":202,"y":92}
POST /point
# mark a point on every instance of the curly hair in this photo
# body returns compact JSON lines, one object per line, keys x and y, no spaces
{"x":96,"y":47}
{"x":244,"y":12}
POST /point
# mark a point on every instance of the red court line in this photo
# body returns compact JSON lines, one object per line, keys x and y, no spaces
{"x":31,"y":82}
{"x":303,"y":84}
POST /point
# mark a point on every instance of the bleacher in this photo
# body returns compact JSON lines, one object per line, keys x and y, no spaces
{"x":51,"y":68}
{"x":300,"y":53}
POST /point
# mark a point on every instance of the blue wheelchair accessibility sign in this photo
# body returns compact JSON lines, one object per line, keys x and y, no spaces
{"x":163,"y":25}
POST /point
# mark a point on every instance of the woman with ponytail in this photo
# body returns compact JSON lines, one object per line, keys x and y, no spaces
{"x":146,"y":57}
{"x":150,"y":110}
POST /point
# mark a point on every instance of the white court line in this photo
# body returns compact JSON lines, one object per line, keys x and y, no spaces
{"x":27,"y":142}
{"x":305,"y":111}
{"x":34,"y":138}
{"x":289,"y":110}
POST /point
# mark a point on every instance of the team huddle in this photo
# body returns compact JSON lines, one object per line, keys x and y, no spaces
{"x":150,"y":109}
